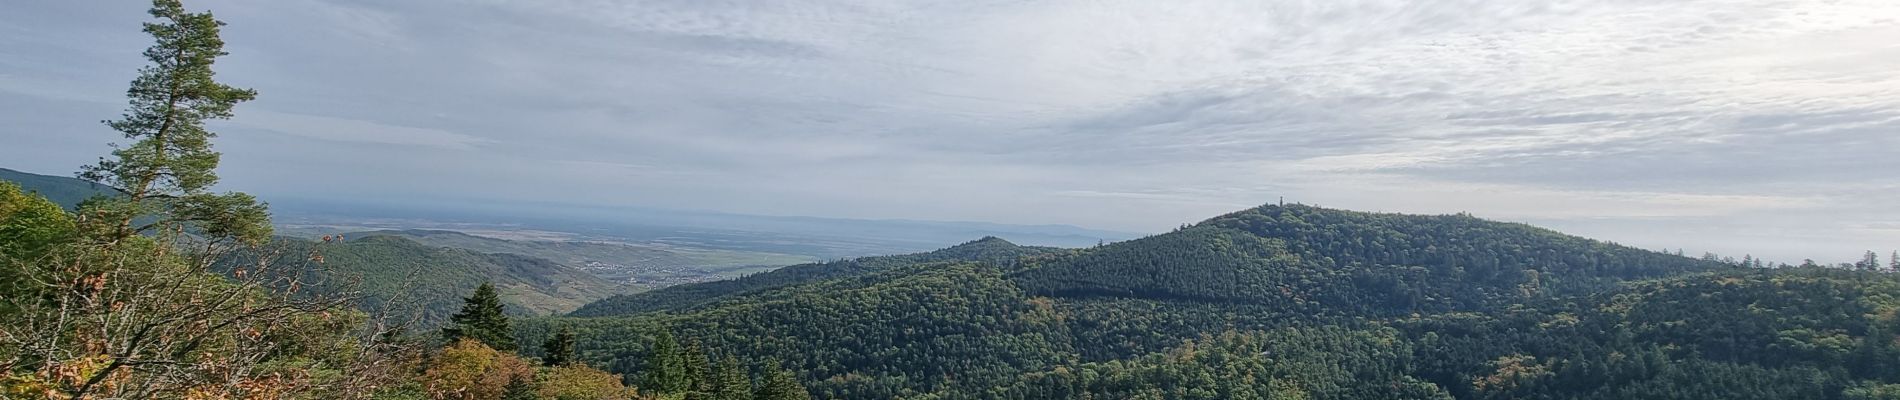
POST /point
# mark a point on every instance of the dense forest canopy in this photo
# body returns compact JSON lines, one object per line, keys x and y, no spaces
{"x":1290,"y":301}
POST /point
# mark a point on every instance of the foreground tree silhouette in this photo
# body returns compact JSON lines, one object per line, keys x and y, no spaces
{"x":482,"y":320}
{"x":167,"y":172}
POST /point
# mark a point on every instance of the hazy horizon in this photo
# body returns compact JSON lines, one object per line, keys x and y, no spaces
{"x":1738,"y":127}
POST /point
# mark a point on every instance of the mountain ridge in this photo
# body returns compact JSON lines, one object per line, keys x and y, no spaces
{"x":1022,"y":327}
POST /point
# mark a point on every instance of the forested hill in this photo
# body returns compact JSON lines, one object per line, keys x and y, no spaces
{"x":1317,"y":260}
{"x":431,"y":280}
{"x":64,"y":191}
{"x":1292,"y":302}
{"x":991,"y":250}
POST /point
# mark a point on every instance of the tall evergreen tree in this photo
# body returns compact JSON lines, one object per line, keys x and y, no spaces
{"x":559,"y":349}
{"x":780,"y":384}
{"x":665,"y":371}
{"x":1893,"y":261}
{"x":698,"y":367}
{"x":168,"y":170}
{"x":729,"y":381}
{"x":1868,"y":262}
{"x":482,"y":319}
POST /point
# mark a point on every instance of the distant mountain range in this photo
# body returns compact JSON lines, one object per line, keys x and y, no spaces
{"x":822,"y":238}
{"x":811,"y":237}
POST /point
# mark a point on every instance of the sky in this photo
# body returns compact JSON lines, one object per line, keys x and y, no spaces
{"x":1762,"y":127}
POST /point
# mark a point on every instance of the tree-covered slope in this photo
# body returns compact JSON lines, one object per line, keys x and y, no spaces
{"x":1808,"y":333}
{"x":64,"y":191}
{"x":1316,"y":260}
{"x":1292,"y":302}
{"x":991,"y":250}
{"x":431,"y":280}
{"x":912,"y":330}
{"x":963,"y":331}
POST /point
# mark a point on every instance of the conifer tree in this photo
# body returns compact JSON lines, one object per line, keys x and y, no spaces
{"x":168,"y":170}
{"x":729,"y":381}
{"x":482,"y":319}
{"x":559,"y":349}
{"x":779,"y":384}
{"x":665,"y":371}
{"x":698,"y":368}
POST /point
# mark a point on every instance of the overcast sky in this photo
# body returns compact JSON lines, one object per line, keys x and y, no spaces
{"x":1736,"y":126}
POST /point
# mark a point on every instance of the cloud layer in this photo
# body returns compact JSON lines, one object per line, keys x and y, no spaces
{"x":1763,"y":126}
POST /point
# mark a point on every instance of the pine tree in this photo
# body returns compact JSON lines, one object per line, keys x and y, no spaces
{"x":559,"y":349}
{"x":1868,"y":262}
{"x":665,"y":371}
{"x":168,"y":171}
{"x":1893,"y":261}
{"x":482,"y":319}
{"x":729,"y":380}
{"x":779,"y":384}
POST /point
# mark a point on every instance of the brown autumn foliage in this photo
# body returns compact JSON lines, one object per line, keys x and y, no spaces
{"x":470,"y":370}
{"x":579,"y":382}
